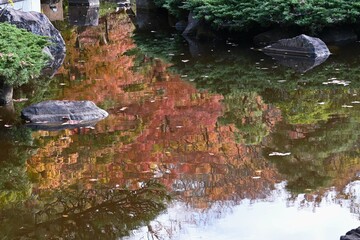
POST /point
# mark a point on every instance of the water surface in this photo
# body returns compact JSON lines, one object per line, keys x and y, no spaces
{"x":203,"y":141}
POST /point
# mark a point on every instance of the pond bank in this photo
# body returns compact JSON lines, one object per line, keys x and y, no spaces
{"x":207,"y":28}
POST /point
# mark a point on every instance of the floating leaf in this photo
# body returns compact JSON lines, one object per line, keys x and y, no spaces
{"x":279,"y":154}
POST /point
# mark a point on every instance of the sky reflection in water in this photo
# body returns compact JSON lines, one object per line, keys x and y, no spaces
{"x":271,"y":218}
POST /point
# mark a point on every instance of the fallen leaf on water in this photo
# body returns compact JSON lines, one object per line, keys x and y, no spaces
{"x":185,"y":60}
{"x":7,"y":125}
{"x":279,"y":154}
{"x":337,"y":82}
{"x":355,"y":102}
{"x":347,"y":106}
{"x":123,"y":108}
{"x":256,"y":177}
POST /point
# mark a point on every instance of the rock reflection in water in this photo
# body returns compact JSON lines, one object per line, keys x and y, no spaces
{"x":299,"y":64}
{"x":80,"y":15}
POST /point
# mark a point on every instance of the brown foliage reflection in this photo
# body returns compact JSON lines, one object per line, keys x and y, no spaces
{"x":159,"y":127}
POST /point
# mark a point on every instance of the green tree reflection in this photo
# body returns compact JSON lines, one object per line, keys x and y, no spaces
{"x":78,"y":213}
{"x":15,"y":185}
{"x":244,"y":109}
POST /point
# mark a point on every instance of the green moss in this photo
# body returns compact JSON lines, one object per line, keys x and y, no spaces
{"x":21,"y":56}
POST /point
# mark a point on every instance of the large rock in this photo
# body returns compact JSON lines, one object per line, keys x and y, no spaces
{"x":60,"y":113}
{"x":198,"y":28}
{"x":90,"y":3}
{"x":80,"y":15}
{"x":353,"y":234}
{"x":6,"y":93}
{"x":39,"y":24}
{"x":302,"y":45}
{"x":192,"y":27}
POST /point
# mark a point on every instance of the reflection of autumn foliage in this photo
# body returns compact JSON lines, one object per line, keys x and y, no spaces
{"x":159,"y":126}
{"x":162,"y":127}
{"x":96,"y":71}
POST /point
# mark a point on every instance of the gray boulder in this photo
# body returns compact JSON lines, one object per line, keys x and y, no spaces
{"x":39,"y":24}
{"x":62,"y":113}
{"x":6,"y":93}
{"x":353,"y":234}
{"x":193,"y":26}
{"x":181,"y":26}
{"x":199,"y":29}
{"x":90,"y":3}
{"x":302,"y":45}
{"x":80,"y":15}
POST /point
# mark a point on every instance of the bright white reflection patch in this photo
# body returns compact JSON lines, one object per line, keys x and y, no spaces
{"x":273,"y":218}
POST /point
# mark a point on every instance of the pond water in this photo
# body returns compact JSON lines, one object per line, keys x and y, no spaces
{"x":203,"y":141}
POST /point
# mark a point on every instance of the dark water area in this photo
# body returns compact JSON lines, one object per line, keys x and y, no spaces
{"x":203,"y":141}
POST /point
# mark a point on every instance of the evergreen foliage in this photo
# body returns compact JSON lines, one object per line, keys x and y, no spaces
{"x":242,"y":15}
{"x":21,"y":56}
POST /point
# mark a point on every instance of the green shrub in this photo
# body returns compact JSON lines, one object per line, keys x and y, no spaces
{"x":242,"y":15}
{"x":21,"y":56}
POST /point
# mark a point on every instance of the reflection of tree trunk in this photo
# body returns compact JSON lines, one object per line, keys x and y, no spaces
{"x":6,"y":93}
{"x":7,"y":112}
{"x":104,"y":38}
{"x":106,"y":29}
